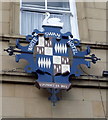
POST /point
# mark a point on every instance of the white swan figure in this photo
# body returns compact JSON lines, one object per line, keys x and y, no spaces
{"x":52,"y":21}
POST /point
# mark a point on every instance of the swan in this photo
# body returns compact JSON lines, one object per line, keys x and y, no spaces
{"x":52,"y":21}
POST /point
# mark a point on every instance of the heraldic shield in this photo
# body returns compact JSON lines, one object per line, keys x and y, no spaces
{"x":52,"y":56}
{"x":52,"y":59}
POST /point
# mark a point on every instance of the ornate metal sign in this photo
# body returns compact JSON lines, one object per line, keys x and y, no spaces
{"x":53,"y":56}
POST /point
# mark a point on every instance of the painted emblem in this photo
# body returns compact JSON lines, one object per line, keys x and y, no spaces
{"x":53,"y":56}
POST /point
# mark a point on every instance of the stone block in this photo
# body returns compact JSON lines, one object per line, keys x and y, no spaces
{"x":37,"y":108}
{"x":0,"y":5}
{"x":83,"y":30}
{"x":0,"y":59}
{"x":96,"y":24}
{"x":91,"y":94}
{"x":97,"y":36}
{"x":72,"y":109}
{"x":23,"y":76}
{"x":8,"y":63}
{"x":0,"y":107}
{"x":95,"y":13}
{"x":101,"y":5}
{"x":4,"y":28}
{"x":106,"y":107}
{"x":0,"y":15}
{"x":107,"y":95}
{"x":1,"y":48}
{"x":104,"y":94}
{"x":89,"y":4}
{"x":80,"y":10}
{"x":73,"y":94}
{"x":0,"y":90}
{"x":12,"y":107}
{"x":17,"y":2}
{"x":25,"y":91}
{"x":4,"y":45}
{"x":17,"y":20}
{"x":97,"y":109}
{"x":1,"y":32}
{"x":107,"y":14}
{"x":6,"y":5}
{"x":5,"y":16}
{"x":8,"y":90}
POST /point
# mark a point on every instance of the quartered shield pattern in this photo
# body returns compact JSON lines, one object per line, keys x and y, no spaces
{"x":54,"y":57}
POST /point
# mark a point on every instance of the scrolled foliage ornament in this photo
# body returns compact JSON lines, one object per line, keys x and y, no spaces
{"x":53,"y":56}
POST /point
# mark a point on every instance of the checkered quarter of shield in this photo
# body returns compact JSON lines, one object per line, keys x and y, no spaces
{"x":61,"y":64}
{"x":45,"y":48}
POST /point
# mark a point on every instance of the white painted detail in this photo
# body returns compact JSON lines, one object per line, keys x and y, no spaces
{"x":50,"y":42}
{"x":39,"y":62}
{"x":37,"y":49}
{"x":59,"y":67}
{"x":65,"y":68}
{"x":44,"y":62}
{"x":65,"y":48}
{"x":58,"y":35}
{"x":46,"y":42}
{"x":54,"y":66}
{"x":60,"y":48}
{"x":41,"y":41}
{"x":48,"y":51}
{"x":67,"y":59}
{"x":42,"y":49}
{"x":52,"y":21}
{"x":52,"y":34}
{"x":35,"y":34}
{"x":55,"y":48}
{"x":32,"y":44}
{"x":74,"y":49}
{"x":49,"y":63}
{"x":56,"y":59}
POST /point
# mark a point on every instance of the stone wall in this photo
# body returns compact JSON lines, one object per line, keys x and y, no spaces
{"x":9,"y":22}
{"x":29,"y":102}
{"x":92,"y":20}
{"x":86,"y":100}
{"x":5,"y":18}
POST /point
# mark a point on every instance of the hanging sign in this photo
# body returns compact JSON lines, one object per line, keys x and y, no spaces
{"x":52,"y":56}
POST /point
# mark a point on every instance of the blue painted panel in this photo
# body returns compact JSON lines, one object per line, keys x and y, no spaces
{"x":44,"y":63}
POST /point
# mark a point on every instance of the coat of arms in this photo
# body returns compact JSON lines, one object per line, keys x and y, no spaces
{"x":53,"y":56}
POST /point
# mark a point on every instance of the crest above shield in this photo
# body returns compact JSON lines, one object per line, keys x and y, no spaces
{"x":55,"y":22}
